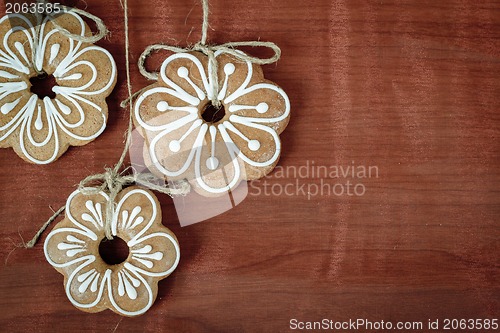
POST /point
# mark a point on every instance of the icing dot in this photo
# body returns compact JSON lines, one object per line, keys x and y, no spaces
{"x":262,"y":107}
{"x":229,"y":69}
{"x":253,"y":145}
{"x":174,"y":146}
{"x":183,"y":72}
{"x":212,"y":163}
{"x":162,"y":106}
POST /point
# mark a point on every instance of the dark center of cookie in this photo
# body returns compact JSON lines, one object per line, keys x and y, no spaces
{"x":42,"y":85}
{"x":212,"y":114}
{"x":113,"y":251}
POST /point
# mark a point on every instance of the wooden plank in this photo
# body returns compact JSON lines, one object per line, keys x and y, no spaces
{"x":411,"y":87}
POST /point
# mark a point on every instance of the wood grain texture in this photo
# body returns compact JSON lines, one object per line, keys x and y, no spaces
{"x":411,"y":87}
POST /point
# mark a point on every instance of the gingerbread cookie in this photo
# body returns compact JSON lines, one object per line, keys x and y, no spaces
{"x":128,"y":288}
{"x":41,"y":129}
{"x":214,"y":148}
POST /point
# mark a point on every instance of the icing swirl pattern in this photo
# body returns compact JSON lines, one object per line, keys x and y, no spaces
{"x":41,"y":130}
{"x":214,"y":154}
{"x":128,"y":288}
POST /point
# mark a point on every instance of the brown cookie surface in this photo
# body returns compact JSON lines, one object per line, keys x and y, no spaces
{"x":185,"y":136}
{"x":40,"y":126}
{"x":128,"y":288}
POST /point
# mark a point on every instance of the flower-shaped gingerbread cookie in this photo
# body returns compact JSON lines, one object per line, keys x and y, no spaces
{"x":214,"y":148}
{"x":128,"y":288}
{"x":41,"y":130}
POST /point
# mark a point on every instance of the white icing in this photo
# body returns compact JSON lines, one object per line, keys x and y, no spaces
{"x":128,"y":284}
{"x":63,"y":107}
{"x":132,"y":220}
{"x":174,"y":146}
{"x":54,"y":50}
{"x":262,"y":107}
{"x":86,"y":282}
{"x":212,"y":163}
{"x":183,"y":72}
{"x":89,"y":283}
{"x":145,"y":249}
{"x":54,"y":113}
{"x":7,"y":107}
{"x":76,"y":76}
{"x":8,"y":88}
{"x":8,"y":75}
{"x":229,"y":69}
{"x":253,"y":145}
{"x":199,"y":128}
{"x":162,"y":106}
{"x":20,"y":48}
{"x":145,"y":257}
{"x":84,"y":276}
{"x":38,"y":121}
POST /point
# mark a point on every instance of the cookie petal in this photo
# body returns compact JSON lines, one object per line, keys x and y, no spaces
{"x":217,"y":168}
{"x":57,"y":50}
{"x":39,"y":140}
{"x":186,"y":74}
{"x":155,"y":255}
{"x":172,"y":151}
{"x":89,"y":72}
{"x":234,"y":74}
{"x":16,"y":43}
{"x":76,"y":123}
{"x":86,"y":284}
{"x":13,"y":111}
{"x":129,"y":293}
{"x":263,"y":103}
{"x":87,"y":212}
{"x":160,"y":108}
{"x":65,"y":246}
{"x":136,"y":212}
{"x":259,"y":145}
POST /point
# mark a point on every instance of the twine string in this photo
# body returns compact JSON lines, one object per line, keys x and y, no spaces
{"x":102,"y":30}
{"x":112,"y":180}
{"x":209,"y":51}
{"x":33,"y":241}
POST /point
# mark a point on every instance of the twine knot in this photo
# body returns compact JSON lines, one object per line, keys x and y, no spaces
{"x":112,"y":182}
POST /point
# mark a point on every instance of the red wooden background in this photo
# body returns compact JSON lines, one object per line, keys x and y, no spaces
{"x":411,"y":87}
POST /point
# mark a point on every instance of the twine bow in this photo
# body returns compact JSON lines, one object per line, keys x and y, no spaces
{"x":209,"y":51}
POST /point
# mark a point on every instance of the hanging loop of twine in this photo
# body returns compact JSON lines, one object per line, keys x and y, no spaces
{"x":102,"y":30}
{"x":210,"y":50}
